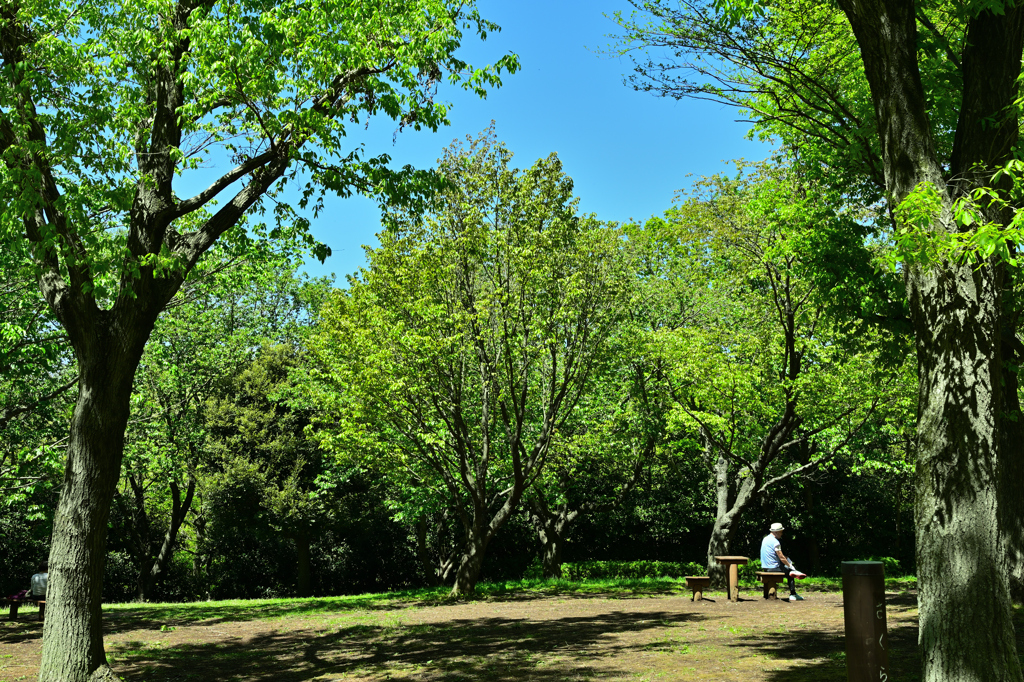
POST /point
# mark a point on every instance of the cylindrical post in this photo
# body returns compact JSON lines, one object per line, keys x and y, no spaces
{"x":734,"y":581}
{"x":867,"y":643}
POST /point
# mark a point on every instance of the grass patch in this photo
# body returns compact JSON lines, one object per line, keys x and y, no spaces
{"x":173,"y":614}
{"x":835,"y":584}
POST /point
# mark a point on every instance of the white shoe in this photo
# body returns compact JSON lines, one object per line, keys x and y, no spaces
{"x":795,"y":597}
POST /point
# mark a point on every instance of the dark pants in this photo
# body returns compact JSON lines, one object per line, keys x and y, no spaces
{"x":792,"y":583}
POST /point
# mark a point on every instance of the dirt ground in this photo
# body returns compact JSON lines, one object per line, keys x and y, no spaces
{"x":567,"y":637}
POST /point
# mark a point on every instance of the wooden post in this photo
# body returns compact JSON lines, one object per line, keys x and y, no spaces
{"x":867,"y":645}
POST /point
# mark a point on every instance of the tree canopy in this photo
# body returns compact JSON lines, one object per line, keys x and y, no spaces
{"x":941,"y":83}
{"x":475,"y":332}
{"x":113,"y":117}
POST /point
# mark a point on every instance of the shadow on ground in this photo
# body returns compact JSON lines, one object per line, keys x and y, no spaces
{"x":487,"y":649}
{"x":825,"y":653}
{"x":20,"y":630}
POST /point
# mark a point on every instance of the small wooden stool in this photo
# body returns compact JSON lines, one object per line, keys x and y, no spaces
{"x":771,"y":580}
{"x":697,"y":584}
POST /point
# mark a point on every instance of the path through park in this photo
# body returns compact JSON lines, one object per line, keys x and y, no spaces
{"x":517,"y":637}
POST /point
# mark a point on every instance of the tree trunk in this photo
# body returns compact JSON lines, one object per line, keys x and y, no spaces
{"x":302,"y":556}
{"x":727,"y":519}
{"x":551,"y":556}
{"x":965,"y":615}
{"x":958,"y":312}
{"x":721,"y":533}
{"x":471,"y":562}
{"x":179,"y":509}
{"x":481,"y":525}
{"x":72,"y":632}
{"x":551,"y":527}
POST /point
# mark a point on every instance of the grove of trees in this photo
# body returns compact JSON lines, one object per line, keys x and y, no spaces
{"x":911,"y":108}
{"x":508,"y":384}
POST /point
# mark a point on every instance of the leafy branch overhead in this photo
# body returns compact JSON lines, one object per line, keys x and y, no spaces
{"x":135,"y":136}
{"x":474,"y":333}
{"x":111,"y":108}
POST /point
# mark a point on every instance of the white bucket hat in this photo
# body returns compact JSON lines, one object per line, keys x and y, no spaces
{"x":776,"y":527}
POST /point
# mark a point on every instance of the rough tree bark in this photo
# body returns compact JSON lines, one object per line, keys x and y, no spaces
{"x":108,"y":349}
{"x":551,"y":526}
{"x":108,"y":342}
{"x":965,"y":526}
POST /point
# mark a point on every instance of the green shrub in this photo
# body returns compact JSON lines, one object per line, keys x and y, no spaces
{"x":119,"y":578}
{"x":891,"y":565}
{"x":748,"y":571}
{"x":597,"y":570}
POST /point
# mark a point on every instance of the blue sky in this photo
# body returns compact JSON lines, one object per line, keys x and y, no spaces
{"x":627,"y":152}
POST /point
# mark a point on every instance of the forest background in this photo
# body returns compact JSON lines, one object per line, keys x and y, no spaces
{"x":509,"y":382}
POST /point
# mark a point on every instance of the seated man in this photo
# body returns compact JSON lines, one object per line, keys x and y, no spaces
{"x":772,"y":559}
{"x":38,"y":586}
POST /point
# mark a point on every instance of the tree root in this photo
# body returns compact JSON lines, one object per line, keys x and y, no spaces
{"x":104,"y":674}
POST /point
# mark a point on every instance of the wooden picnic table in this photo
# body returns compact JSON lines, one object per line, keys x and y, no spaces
{"x":733,"y":562}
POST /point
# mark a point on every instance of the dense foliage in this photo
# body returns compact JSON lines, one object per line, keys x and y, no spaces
{"x":270,"y":453}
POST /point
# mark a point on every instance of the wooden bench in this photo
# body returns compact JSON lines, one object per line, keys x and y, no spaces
{"x":697,"y":584}
{"x":15,"y":604}
{"x":770,"y":580}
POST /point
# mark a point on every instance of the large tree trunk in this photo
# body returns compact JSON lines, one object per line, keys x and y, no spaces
{"x":551,"y":527}
{"x":727,"y":518}
{"x":471,"y":562}
{"x":966,"y":630}
{"x":1011,"y":452}
{"x":72,"y":633}
{"x":179,"y":509}
{"x":966,"y":625}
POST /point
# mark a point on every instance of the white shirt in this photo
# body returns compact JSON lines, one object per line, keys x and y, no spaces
{"x":39,"y":584}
